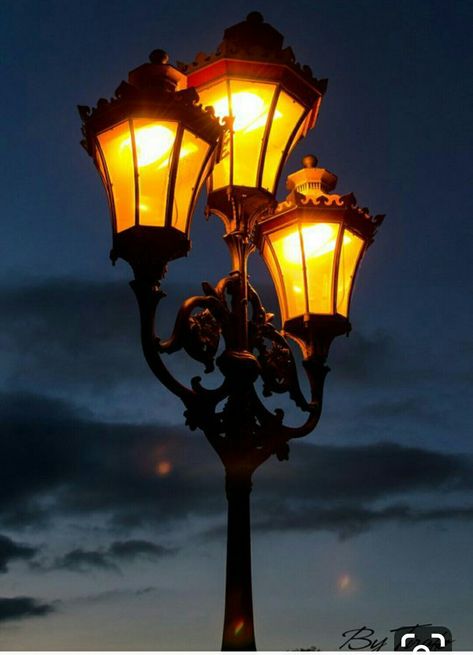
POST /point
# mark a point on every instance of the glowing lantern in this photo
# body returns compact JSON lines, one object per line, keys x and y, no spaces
{"x":271,"y":103}
{"x":313,"y":245}
{"x":154,"y":147}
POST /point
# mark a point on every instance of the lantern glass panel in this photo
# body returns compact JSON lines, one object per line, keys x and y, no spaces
{"x":191,"y":160}
{"x":249,"y":103}
{"x":250,"y":106}
{"x":288,"y":113}
{"x":287,"y":247}
{"x":208,"y":97}
{"x":349,"y":256}
{"x":320,"y":242}
{"x":276,"y":275}
{"x":154,"y":142}
{"x":120,"y":168}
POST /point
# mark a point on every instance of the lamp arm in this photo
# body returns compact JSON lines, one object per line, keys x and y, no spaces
{"x":189,"y":334}
{"x":275,"y":435}
{"x":148,"y":296}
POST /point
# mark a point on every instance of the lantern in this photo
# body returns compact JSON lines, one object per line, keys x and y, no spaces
{"x":312,"y":245}
{"x":270,"y":101}
{"x":154,"y":147}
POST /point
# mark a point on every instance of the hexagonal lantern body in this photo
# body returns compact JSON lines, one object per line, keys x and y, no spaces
{"x":154,"y":147}
{"x":312,"y":246}
{"x":271,"y":101}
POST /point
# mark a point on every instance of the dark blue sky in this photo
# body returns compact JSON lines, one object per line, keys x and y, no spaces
{"x":96,"y":550}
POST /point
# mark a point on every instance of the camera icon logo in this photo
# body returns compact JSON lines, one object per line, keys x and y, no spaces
{"x":423,"y":639}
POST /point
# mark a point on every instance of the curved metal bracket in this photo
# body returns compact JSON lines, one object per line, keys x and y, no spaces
{"x":244,"y":432}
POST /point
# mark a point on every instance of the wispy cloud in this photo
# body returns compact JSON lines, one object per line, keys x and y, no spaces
{"x":23,"y":607}
{"x":12,"y":550}
{"x":83,"y":561}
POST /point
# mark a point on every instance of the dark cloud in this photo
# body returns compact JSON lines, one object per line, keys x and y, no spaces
{"x":84,"y":560}
{"x":22,"y":607}
{"x":56,"y":461}
{"x":350,"y":520}
{"x":345,"y":520}
{"x":11,"y":550}
{"x":365,"y":358}
{"x":136,"y":548}
{"x":367,"y":472}
{"x":73,"y":334}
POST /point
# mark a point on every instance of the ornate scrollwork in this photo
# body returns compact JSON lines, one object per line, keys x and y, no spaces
{"x":243,"y":432}
{"x":204,"y":333}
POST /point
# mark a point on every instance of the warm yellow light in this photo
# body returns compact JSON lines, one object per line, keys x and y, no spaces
{"x":153,"y":144}
{"x":318,"y":240}
{"x":249,"y":110}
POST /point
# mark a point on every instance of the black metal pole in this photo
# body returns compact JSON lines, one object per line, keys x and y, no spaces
{"x":238,"y":628}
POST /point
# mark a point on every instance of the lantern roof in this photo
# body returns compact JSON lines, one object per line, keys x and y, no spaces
{"x":154,"y":88}
{"x":255,"y":40}
{"x":310,"y":190}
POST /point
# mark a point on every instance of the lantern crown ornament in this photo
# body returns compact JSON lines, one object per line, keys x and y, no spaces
{"x":268,"y":101}
{"x":154,"y":146}
{"x":313,"y":244}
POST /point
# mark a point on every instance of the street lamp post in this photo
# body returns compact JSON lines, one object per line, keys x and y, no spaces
{"x":232,"y":118}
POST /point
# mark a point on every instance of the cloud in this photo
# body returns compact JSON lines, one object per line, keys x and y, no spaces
{"x":83,"y":561}
{"x":136,"y":548}
{"x":71,"y":334}
{"x":22,"y":607}
{"x":350,"y":520}
{"x":367,"y":472}
{"x":10,"y":550}
{"x":56,"y":461}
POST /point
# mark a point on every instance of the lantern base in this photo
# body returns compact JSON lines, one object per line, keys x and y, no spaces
{"x":148,"y":249}
{"x":315,"y":332}
{"x":240,"y":207}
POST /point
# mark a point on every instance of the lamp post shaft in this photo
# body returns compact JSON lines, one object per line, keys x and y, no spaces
{"x":238,"y":628}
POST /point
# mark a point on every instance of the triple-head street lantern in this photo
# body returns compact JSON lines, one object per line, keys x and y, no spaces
{"x":232,"y":118}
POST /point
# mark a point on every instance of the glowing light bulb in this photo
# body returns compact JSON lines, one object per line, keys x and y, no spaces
{"x":248,"y":110}
{"x":318,"y":240}
{"x":153,"y":144}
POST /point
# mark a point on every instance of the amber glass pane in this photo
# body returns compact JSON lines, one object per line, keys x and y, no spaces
{"x":349,"y":256}
{"x":320,"y":241}
{"x":286,"y":244}
{"x":216,"y":96}
{"x":250,"y":105}
{"x":119,"y":161}
{"x":154,"y":143}
{"x":191,"y":159}
{"x":270,"y":262}
{"x":288,"y":113}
